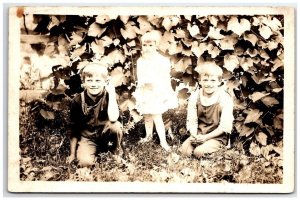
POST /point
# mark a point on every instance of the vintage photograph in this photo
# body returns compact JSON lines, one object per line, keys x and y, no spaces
{"x":151,"y":99}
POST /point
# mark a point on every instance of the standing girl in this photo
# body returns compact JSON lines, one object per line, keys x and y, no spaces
{"x":154,"y":93}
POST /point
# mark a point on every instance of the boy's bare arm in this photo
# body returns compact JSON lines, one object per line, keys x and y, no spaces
{"x":112,"y":110}
{"x":73,"y":144}
{"x":192,"y":119}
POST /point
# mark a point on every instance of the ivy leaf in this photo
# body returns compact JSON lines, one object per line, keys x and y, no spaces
{"x":117,"y":56}
{"x":182,"y":64}
{"x":174,"y":20}
{"x":106,"y":41}
{"x":228,"y":42}
{"x":246,"y":63}
{"x":75,"y":39}
{"x":261,"y":138}
{"x":118,"y":78}
{"x":213,"y":20}
{"x":257,"y":96}
{"x":278,"y":122}
{"x":251,"y":38}
{"x":252,"y":53}
{"x":253,"y":116}
{"x":260,"y":78}
{"x":95,"y":30}
{"x":246,"y":131}
{"x":78,"y":52}
{"x":197,"y":50}
{"x":272,"y":45}
{"x":238,"y":27}
{"x":144,"y":25}
{"x":136,"y":117}
{"x":270,"y":101}
{"x":188,"y":17}
{"x":54,"y":22}
{"x":63,"y":45}
{"x":214,"y":33}
{"x":272,"y":22}
{"x":167,"y":23}
{"x":166,"y":41}
{"x":132,"y":43}
{"x":98,"y":47}
{"x":214,"y":51}
{"x":116,"y":42}
{"x":265,"y":32}
{"x":277,"y":90}
{"x":47,"y":114}
{"x":231,"y":62}
{"x":128,"y":104}
{"x":103,"y":19}
{"x":175,"y":48}
{"x":277,"y":64}
{"x":194,"y":30}
{"x":183,"y":94}
{"x":180,"y":33}
{"x":187,"y":52}
{"x":129,"y":31}
{"x":254,"y":149}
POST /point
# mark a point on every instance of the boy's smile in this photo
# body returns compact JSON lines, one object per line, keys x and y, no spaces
{"x":210,"y":84}
{"x":94,"y":85}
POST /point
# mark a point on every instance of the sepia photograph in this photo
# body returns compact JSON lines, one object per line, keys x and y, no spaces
{"x":151,"y":99}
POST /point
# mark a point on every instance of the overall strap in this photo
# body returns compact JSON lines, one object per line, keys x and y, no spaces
{"x":84,"y":109}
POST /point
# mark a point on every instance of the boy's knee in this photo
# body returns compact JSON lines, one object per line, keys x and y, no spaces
{"x":86,"y":160}
{"x":199,"y":152}
{"x":186,"y":150}
{"x":114,"y":128}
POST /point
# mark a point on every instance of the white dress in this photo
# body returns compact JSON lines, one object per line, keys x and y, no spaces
{"x":154,"y":93}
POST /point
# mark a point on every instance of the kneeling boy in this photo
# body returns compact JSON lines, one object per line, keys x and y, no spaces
{"x":93,"y":115}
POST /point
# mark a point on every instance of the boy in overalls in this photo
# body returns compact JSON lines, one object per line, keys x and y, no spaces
{"x":210,"y":114}
{"x":94,"y":118}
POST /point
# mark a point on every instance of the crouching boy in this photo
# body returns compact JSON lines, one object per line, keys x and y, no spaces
{"x":94,"y":113}
{"x":209,"y":115}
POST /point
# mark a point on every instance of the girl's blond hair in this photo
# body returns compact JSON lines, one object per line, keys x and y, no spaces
{"x":151,"y":36}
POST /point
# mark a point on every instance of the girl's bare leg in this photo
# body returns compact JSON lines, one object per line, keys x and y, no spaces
{"x":159,"y":124}
{"x":149,"y":128}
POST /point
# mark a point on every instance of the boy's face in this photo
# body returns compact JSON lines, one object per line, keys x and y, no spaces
{"x":209,"y":83}
{"x":94,"y":84}
{"x":149,"y":47}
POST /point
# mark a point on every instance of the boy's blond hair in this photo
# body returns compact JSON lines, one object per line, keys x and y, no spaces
{"x":210,"y":69}
{"x":151,"y":36}
{"x":94,"y":69}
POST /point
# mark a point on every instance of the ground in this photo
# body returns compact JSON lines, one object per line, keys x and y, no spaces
{"x":44,"y":147}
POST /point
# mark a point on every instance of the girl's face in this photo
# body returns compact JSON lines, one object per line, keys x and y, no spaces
{"x":210,"y":84}
{"x":149,"y":47}
{"x":94,"y":84}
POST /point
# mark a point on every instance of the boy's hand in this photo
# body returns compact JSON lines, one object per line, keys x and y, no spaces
{"x":110,"y":88}
{"x":70,"y":158}
{"x":199,"y":139}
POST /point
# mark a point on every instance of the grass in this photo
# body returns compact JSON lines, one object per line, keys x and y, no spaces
{"x":44,"y":147}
